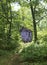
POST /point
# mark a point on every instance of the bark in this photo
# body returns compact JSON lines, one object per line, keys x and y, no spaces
{"x":34,"y":22}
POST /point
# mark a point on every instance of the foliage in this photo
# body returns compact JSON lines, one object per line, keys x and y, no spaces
{"x":7,"y":42}
{"x":35,"y":52}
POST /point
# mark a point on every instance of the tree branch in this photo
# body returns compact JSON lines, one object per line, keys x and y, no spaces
{"x":2,"y":16}
{"x":41,"y":19}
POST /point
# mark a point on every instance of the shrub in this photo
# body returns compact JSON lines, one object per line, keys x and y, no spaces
{"x":34,"y":52}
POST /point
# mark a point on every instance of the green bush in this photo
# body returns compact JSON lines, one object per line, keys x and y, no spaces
{"x":44,"y":40}
{"x":9,"y":44}
{"x":4,"y":52}
{"x":34,"y":52}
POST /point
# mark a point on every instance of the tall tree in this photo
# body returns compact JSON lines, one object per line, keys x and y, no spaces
{"x":34,"y":21}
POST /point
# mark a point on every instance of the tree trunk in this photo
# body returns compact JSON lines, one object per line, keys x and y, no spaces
{"x":10,"y":21}
{"x":10,"y":24}
{"x":34,"y":22}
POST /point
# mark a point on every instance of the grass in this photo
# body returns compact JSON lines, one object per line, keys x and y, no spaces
{"x":13,"y":59}
{"x":4,"y":60}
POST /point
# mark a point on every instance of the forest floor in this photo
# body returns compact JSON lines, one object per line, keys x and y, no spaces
{"x":9,"y":60}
